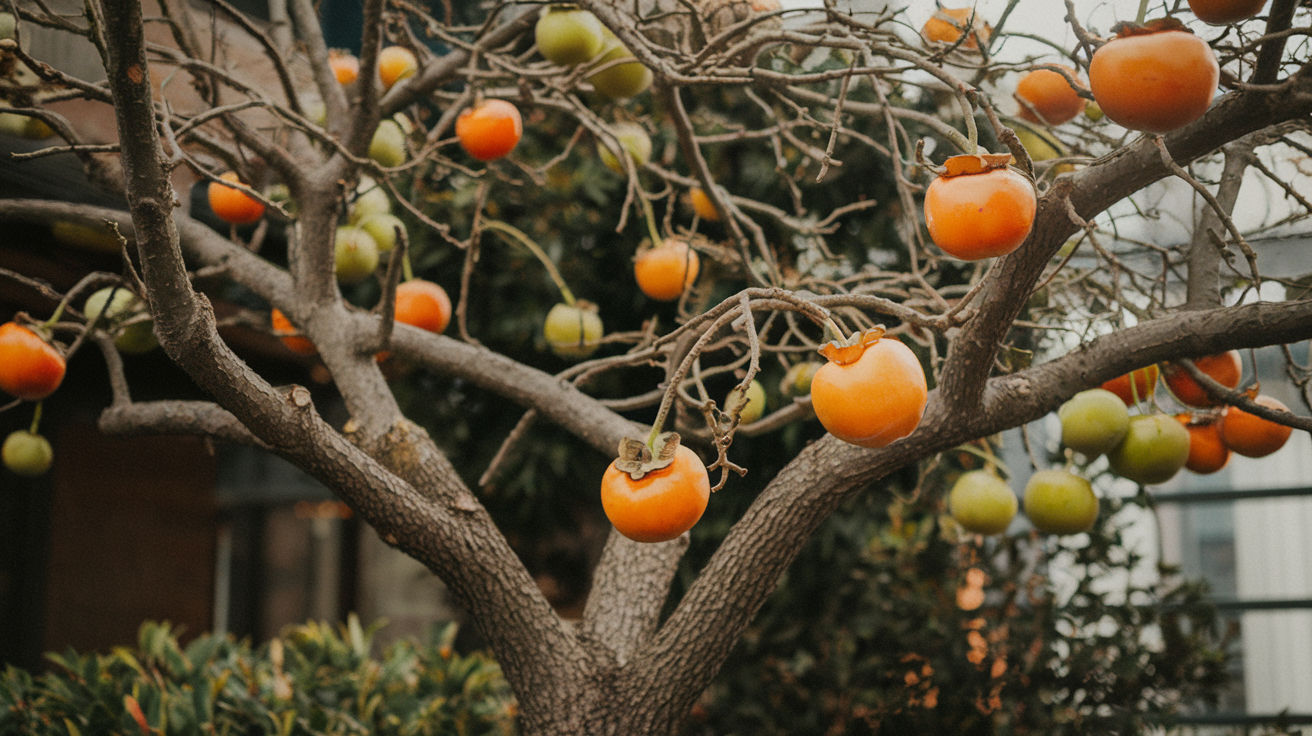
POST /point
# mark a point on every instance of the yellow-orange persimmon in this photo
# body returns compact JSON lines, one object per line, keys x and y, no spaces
{"x":947,"y":25}
{"x":344,"y":65}
{"x":490,"y":129}
{"x":1251,"y":435}
{"x":1047,"y":97}
{"x":423,"y":304}
{"x":394,"y":64}
{"x":664,"y":272}
{"x":30,"y":367}
{"x":986,"y":210}
{"x":1154,"y":78}
{"x":702,"y":204}
{"x":1222,"y":12}
{"x":233,"y":205}
{"x":1207,"y":453}
{"x":295,"y":343}
{"x":660,"y":505}
{"x":870,"y":393}
{"x":1145,"y":383}
{"x":1224,"y":368}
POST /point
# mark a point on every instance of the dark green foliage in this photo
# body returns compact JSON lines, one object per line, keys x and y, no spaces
{"x":868,"y":635}
{"x":311,"y":681}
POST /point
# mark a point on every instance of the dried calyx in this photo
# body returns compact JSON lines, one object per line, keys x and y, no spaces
{"x":850,"y":350}
{"x":637,"y":459}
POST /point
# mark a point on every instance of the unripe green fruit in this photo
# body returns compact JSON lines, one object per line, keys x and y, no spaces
{"x":27,"y":454}
{"x":754,"y":408}
{"x":1058,"y":502}
{"x":138,"y":337}
{"x":982,"y":503}
{"x":635,"y":142}
{"x":572,"y":331}
{"x":371,"y":199}
{"x":797,"y":381}
{"x":1093,"y":422}
{"x":568,"y":35}
{"x":382,"y":228}
{"x":622,"y":80}
{"x":388,"y":144}
{"x":356,"y":255}
{"x":1153,"y":451}
{"x":8,"y":25}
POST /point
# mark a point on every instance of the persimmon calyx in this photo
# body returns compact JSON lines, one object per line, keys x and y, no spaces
{"x":1125,"y":29}
{"x":845,"y":352}
{"x":637,"y":459}
{"x":974,"y":163}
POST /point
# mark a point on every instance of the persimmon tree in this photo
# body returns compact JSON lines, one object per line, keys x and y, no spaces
{"x":818,"y":90}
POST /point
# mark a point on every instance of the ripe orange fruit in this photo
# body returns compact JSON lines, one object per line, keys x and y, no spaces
{"x":1046,"y":97}
{"x":1225,"y":369}
{"x":662,"y":504}
{"x":394,"y":64}
{"x":344,"y":65}
{"x":870,"y":393}
{"x":490,"y":129}
{"x":233,"y":205}
{"x":1207,"y":453}
{"x":1221,"y":12}
{"x":1145,"y":384}
{"x":947,"y":25}
{"x":294,"y":343}
{"x":1154,"y":78}
{"x":423,"y":304}
{"x":1250,"y":435}
{"x":30,"y":367}
{"x":702,"y":205}
{"x":664,"y":273}
{"x":982,"y":212}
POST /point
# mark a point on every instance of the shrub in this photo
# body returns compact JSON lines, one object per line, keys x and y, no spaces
{"x":312,"y":680}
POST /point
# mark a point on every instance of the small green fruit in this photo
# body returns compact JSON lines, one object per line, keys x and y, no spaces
{"x":1093,"y":422}
{"x":635,"y":142}
{"x":797,"y":381}
{"x":573,"y":332}
{"x":27,"y":454}
{"x":356,"y":254}
{"x":382,"y":228}
{"x":982,"y":503}
{"x":8,"y":25}
{"x":135,"y":338}
{"x":1153,"y":451}
{"x":1058,"y":502}
{"x":370,"y":199}
{"x":388,"y":144}
{"x":568,"y":35}
{"x":754,"y":408}
{"x":622,"y":80}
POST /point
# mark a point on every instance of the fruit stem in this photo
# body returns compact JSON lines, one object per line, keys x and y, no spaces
{"x":991,"y":461}
{"x":650,"y":216}
{"x":838,"y":331}
{"x":36,"y":418}
{"x":1143,"y":11}
{"x":510,"y":232}
{"x":407,"y":273}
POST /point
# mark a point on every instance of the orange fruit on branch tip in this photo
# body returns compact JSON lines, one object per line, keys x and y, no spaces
{"x":1154,"y":78}
{"x":947,"y":25}
{"x":423,"y":304}
{"x":1224,"y":368}
{"x":1207,"y":453}
{"x":489,"y":129}
{"x":664,"y":500}
{"x":1223,"y":12}
{"x":665,"y":272}
{"x":232,"y":205}
{"x":979,"y":208}
{"x":30,"y":367}
{"x":344,"y":65}
{"x":394,"y":64}
{"x":1251,"y":435}
{"x":702,"y":205}
{"x":871,"y":392}
{"x":1046,"y":97}
{"x":282,"y":327}
{"x":1145,"y":383}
